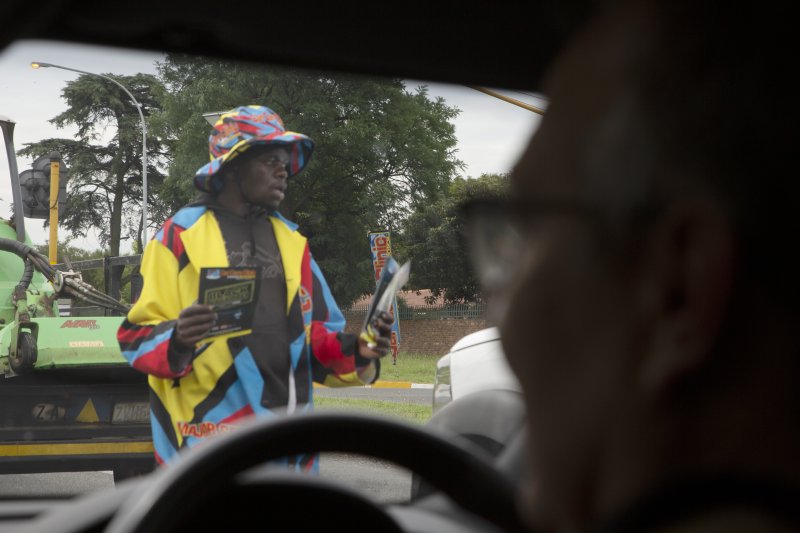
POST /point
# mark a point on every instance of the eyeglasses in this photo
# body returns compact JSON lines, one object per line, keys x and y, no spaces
{"x":495,"y":232}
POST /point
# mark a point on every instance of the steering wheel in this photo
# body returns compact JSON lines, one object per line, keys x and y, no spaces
{"x":208,"y":473}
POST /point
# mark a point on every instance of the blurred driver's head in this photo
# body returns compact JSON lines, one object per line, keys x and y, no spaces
{"x":639,"y":316}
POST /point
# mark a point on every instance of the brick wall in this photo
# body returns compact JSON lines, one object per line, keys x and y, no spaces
{"x":430,"y":337}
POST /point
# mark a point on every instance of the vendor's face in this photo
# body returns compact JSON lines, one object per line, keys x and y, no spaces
{"x":263,"y":177}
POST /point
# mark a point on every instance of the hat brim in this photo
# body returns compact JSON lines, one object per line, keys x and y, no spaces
{"x":301,"y":149}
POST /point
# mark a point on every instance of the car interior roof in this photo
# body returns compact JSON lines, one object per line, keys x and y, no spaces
{"x":494,"y":44}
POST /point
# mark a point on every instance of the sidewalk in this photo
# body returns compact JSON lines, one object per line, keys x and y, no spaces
{"x":390,"y":385}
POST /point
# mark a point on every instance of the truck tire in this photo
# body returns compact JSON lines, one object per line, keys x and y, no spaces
{"x":26,"y":356}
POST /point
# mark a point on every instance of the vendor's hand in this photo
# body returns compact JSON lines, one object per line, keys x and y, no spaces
{"x":382,"y":325}
{"x":193,"y":324}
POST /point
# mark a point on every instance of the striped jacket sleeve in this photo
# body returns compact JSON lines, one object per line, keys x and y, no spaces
{"x":145,"y":334}
{"x":332,"y":348}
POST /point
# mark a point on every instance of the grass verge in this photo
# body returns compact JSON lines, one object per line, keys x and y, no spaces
{"x":408,"y":412}
{"x":416,"y":368}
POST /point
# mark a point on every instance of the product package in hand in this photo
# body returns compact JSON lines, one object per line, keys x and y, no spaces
{"x":393,"y":277}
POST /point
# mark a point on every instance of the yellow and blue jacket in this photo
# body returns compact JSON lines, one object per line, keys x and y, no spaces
{"x":222,"y":384}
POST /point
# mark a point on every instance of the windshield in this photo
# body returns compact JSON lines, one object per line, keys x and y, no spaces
{"x":125,"y":131}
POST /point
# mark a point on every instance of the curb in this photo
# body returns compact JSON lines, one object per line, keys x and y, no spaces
{"x":389,"y":385}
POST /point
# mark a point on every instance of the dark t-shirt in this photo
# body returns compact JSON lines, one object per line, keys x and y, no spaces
{"x":250,"y":241}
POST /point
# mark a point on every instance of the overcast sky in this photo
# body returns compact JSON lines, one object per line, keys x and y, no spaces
{"x":491,"y":133}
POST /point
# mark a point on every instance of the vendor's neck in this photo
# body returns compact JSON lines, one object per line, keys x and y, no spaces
{"x":231,"y":199}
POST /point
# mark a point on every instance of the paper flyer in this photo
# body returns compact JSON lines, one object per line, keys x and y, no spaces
{"x":380,"y":243}
{"x":233,"y":291}
{"x":393,"y":277}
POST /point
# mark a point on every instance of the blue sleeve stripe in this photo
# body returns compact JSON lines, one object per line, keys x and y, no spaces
{"x":161,"y":442}
{"x":289,"y":224}
{"x":183,"y":218}
{"x":251,"y":380}
{"x":335,"y":322}
{"x":188,"y":215}
{"x":235,"y":399}
{"x":147,"y":346}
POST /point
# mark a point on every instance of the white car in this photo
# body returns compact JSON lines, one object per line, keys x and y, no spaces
{"x":475,"y":363}
{"x":477,"y":397}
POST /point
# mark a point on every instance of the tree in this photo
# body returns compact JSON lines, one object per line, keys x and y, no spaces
{"x":66,"y":251}
{"x":105,"y":187}
{"x":433,"y":241}
{"x":381,"y":151}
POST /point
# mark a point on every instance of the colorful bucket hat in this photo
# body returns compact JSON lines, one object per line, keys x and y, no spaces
{"x":244,"y":127}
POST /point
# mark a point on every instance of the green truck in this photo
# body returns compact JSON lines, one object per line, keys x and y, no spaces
{"x":69,"y":401}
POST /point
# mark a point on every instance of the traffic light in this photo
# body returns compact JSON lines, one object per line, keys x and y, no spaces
{"x":35,"y":186}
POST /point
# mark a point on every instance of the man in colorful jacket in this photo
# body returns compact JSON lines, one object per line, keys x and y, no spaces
{"x":199,"y":390}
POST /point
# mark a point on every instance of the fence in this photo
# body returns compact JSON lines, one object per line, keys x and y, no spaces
{"x":427,"y":329}
{"x":432,"y":312}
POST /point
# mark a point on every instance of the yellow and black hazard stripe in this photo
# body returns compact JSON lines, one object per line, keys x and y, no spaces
{"x":33,"y":449}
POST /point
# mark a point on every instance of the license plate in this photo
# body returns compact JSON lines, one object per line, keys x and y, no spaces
{"x":47,"y":412}
{"x":131,"y":413}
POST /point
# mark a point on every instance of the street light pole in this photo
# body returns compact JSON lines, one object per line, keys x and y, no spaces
{"x":37,"y":64}
{"x":7,"y":127}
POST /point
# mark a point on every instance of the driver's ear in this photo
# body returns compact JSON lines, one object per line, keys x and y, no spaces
{"x":685,"y":288}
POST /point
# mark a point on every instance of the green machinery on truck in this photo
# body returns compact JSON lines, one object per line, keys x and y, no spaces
{"x":69,"y":401}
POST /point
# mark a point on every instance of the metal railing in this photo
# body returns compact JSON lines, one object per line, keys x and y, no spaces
{"x":110,"y":285}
